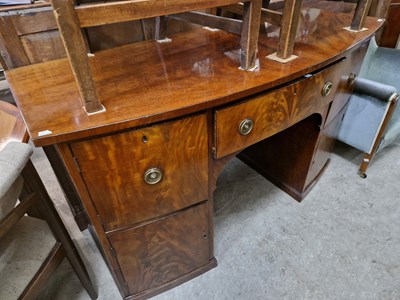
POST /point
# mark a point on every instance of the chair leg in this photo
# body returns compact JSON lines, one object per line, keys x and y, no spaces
{"x":364,"y":165}
{"x":80,"y":270}
{"x":367,"y":157}
{"x":47,"y":209}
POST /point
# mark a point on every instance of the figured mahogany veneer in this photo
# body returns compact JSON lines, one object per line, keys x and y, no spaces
{"x":113,"y":167}
{"x":177,"y":107}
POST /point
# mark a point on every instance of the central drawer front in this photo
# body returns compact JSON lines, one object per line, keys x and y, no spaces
{"x":121,"y":171}
{"x":246,"y":123}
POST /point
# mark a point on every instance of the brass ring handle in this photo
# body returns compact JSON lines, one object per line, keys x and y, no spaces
{"x":352,"y":79}
{"x":326,"y":88}
{"x":153,"y":176}
{"x":246,"y":126}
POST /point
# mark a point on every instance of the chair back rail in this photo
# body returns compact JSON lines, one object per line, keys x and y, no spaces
{"x":71,"y":19}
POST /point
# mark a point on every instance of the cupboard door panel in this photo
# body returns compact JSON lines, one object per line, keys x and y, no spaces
{"x":159,"y":252}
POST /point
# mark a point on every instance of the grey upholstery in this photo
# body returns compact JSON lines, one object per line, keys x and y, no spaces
{"x":13,"y":159}
{"x":379,"y":78}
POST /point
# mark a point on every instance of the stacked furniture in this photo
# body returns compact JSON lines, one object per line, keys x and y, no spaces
{"x":144,"y":130}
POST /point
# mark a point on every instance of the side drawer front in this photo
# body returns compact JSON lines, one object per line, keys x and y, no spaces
{"x":164,"y":250}
{"x":113,"y":168}
{"x":310,"y":93}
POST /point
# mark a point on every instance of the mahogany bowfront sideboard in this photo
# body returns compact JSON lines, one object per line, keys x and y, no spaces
{"x":176,"y":113}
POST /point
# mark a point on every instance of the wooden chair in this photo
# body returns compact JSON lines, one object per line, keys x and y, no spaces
{"x":31,"y":247}
{"x":71,"y":19}
{"x":372,"y":119}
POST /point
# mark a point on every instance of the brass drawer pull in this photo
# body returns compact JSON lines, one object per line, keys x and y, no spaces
{"x":153,"y":176}
{"x":352,"y":80}
{"x":246,"y":126}
{"x":327,"y":88}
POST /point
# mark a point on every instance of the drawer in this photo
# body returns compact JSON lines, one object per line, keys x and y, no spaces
{"x":115,"y":169}
{"x":162,"y":251}
{"x":272,"y":112}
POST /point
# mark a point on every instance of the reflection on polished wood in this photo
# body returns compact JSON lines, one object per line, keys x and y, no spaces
{"x":196,"y":71}
{"x":70,"y":18}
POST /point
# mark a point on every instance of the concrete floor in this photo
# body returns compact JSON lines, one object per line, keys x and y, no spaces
{"x":341,"y":242}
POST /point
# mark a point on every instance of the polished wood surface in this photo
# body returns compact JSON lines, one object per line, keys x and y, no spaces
{"x":113,"y":167}
{"x":147,"y":87}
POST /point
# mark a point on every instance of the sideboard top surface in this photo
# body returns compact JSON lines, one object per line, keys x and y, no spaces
{"x":149,"y":82}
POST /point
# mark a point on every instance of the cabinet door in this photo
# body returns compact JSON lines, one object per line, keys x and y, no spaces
{"x":162,"y":251}
{"x":114,"y":167}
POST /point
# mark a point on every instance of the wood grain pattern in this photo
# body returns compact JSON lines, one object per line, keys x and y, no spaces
{"x":157,"y":73}
{"x":43,"y":46}
{"x":273,"y":112}
{"x":113,"y":168}
{"x":10,"y":43}
{"x":28,"y":21}
{"x":159,"y":252}
{"x":77,"y":53}
{"x":391,"y":32}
